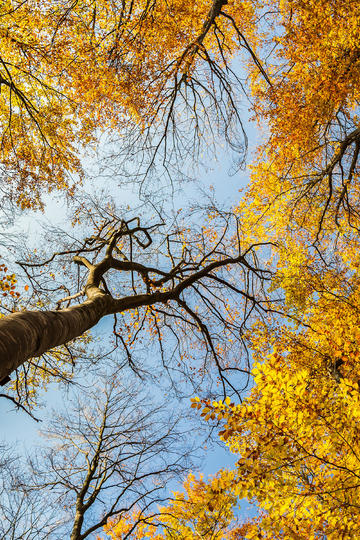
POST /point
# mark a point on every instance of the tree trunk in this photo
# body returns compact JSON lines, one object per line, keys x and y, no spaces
{"x":78,"y":521}
{"x":27,"y":334}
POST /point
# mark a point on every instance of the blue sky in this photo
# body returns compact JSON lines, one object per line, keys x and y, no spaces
{"x":19,"y":430}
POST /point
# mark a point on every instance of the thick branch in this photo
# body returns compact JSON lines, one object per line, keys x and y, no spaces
{"x":29,"y":334}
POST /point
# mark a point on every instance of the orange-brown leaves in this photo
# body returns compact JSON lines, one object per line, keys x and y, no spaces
{"x":305,"y":179}
{"x":70,"y":72}
{"x":8,"y":283}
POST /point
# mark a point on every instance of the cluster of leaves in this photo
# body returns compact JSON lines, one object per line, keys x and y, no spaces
{"x":297,"y":434}
{"x":67,"y":69}
{"x":202,"y":510}
{"x":305,"y":177}
{"x":8,"y":282}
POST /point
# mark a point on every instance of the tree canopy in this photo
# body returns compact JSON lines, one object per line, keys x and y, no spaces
{"x":260,"y":303}
{"x":71,"y":70}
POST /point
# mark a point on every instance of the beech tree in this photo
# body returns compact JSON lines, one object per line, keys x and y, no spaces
{"x":51,"y":106}
{"x":191,"y":297}
{"x":159,"y":76}
{"x":69,"y":70}
{"x":305,"y":176}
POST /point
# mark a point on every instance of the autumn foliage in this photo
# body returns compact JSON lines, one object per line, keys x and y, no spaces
{"x":69,"y":72}
{"x":296,"y":434}
{"x":8,"y":282}
{"x":202,"y":510}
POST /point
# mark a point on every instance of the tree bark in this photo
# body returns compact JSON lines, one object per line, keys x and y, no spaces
{"x":28,"y":334}
{"x":78,"y":522}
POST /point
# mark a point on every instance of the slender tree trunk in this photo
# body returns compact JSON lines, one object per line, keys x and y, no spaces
{"x":29,"y":334}
{"x":78,"y":521}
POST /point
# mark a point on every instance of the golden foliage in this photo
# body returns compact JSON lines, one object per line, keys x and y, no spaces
{"x":8,"y":283}
{"x":202,"y":510}
{"x":305,"y":180}
{"x":297,"y":434}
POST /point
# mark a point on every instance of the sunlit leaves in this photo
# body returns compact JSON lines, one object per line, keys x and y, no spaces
{"x":8,"y":283}
{"x":305,"y":179}
{"x":297,"y":434}
{"x":203,"y":509}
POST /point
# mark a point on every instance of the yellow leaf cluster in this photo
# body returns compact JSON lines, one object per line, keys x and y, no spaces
{"x":297,"y":434}
{"x":202,"y":510}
